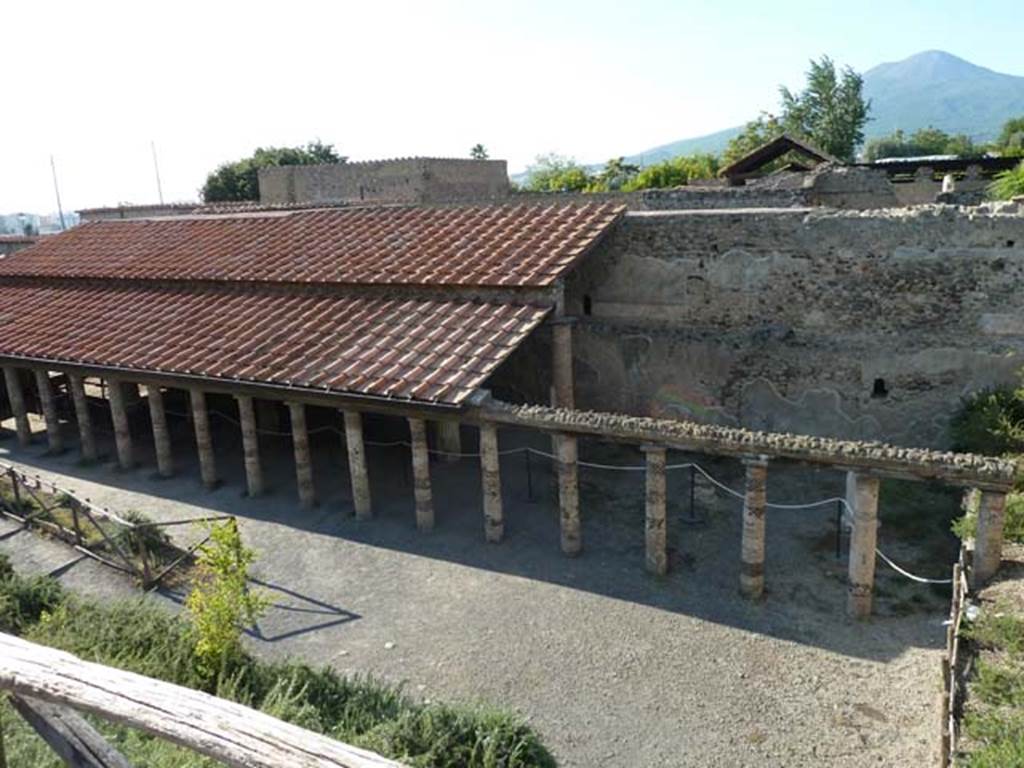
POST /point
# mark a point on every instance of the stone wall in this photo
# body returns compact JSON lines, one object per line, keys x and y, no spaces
{"x":406,"y":180}
{"x":866,"y":325}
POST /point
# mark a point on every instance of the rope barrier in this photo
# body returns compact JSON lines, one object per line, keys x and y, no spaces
{"x":847,"y":517}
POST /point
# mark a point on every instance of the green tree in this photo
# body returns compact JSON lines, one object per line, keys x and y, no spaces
{"x":675,"y":172}
{"x":555,"y":173}
{"x":830,"y":110}
{"x":925,"y":141}
{"x":479,"y":152}
{"x":239,"y":180}
{"x":754,"y":134}
{"x":1011,"y":137}
{"x":1008,"y":184}
{"x":220,"y":600}
{"x":614,"y":176}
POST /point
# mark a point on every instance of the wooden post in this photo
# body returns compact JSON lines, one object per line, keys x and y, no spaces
{"x":357,"y":465}
{"x":303,"y":459}
{"x":45,"y":389}
{"x":862,"y":497}
{"x":568,"y":494}
{"x":87,"y":438}
{"x":122,"y":427}
{"x":250,"y":446}
{"x":449,"y":440}
{"x":421,"y":475}
{"x":68,"y":734}
{"x":988,"y":542}
{"x":204,"y":439}
{"x":655,"y":527}
{"x":161,"y":434}
{"x":490,"y":474}
{"x":752,"y":547}
{"x":17,"y":399}
{"x":562,"y":363}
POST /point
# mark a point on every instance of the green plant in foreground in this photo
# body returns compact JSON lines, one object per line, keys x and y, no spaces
{"x":220,"y":600}
{"x":1008,"y":184}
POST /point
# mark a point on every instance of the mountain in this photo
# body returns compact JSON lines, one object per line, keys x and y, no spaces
{"x":932,"y":88}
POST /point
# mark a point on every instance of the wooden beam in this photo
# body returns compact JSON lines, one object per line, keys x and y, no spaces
{"x":68,"y":734}
{"x":237,"y":736}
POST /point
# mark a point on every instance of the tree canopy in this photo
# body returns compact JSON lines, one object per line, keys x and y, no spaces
{"x":557,"y":173}
{"x":675,"y":172}
{"x":479,"y":152}
{"x":1011,"y":138}
{"x":239,"y":180}
{"x":926,"y":141}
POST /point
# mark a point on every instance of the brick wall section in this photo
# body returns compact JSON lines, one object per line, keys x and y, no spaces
{"x":866,"y":325}
{"x":407,"y":180}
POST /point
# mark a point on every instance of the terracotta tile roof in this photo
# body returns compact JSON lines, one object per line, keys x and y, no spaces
{"x":428,"y":351}
{"x":510,"y":246}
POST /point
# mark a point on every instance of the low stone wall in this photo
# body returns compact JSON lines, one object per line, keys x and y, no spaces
{"x":865,"y":325}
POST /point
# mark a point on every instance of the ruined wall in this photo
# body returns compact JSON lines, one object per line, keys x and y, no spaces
{"x":866,"y":325}
{"x":406,"y":180}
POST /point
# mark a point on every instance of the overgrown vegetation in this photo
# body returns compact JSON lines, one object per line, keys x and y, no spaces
{"x":1008,"y":184}
{"x":142,"y":637}
{"x":994,"y":719}
{"x":923,"y":142}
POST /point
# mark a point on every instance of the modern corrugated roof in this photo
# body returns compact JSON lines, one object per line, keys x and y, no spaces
{"x":434,"y":352}
{"x":494,"y":246}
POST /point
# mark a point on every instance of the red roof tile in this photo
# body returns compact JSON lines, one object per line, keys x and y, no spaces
{"x":513,"y":246}
{"x":309,"y":339}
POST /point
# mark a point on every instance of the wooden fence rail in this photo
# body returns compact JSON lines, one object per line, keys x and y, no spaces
{"x":236,"y":735}
{"x":953,"y":672}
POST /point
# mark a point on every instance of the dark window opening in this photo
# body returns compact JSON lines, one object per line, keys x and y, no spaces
{"x":587,"y":304}
{"x":879,"y":389}
{"x":1010,"y":243}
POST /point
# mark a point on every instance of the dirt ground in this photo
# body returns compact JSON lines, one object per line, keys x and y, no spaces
{"x":614,"y":667}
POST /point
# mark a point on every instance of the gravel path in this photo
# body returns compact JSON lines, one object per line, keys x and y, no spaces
{"x":614,"y":667}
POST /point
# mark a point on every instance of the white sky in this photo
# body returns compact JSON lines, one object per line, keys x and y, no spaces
{"x":93,"y":82}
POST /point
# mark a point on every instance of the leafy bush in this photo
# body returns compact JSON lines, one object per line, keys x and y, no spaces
{"x":24,"y":600}
{"x":990,"y":422}
{"x":1008,"y":184}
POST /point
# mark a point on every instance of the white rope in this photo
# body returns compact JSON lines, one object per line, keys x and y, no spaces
{"x":908,"y":574}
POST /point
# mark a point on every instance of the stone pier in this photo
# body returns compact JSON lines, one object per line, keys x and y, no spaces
{"x":449,"y":440}
{"x":86,"y":435}
{"x":161,"y":434}
{"x":250,"y":446}
{"x":752,"y":547}
{"x":862,"y":498}
{"x":45,"y":388}
{"x":568,"y":493}
{"x":655,"y":525}
{"x":358,"y":474}
{"x":17,"y":399}
{"x":421,"y":475}
{"x":490,"y":474}
{"x":122,"y":427}
{"x":303,"y":459}
{"x":988,"y":541}
{"x":562,"y":372}
{"x":204,"y":438}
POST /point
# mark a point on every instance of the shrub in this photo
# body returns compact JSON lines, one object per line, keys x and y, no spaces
{"x":990,"y":422}
{"x":24,"y":600}
{"x":1008,"y":184}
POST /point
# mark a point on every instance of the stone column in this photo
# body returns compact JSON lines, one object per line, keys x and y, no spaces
{"x":568,"y":494}
{"x":421,"y":475}
{"x":490,"y":473}
{"x":656,"y":534}
{"x":45,"y":389}
{"x":17,"y":399}
{"x":204,"y":439}
{"x":357,"y":464}
{"x":988,"y":542}
{"x":449,"y":440}
{"x":752,"y":547}
{"x":86,"y":436}
{"x":862,"y":497}
{"x":303,"y":459}
{"x":122,"y":427}
{"x":161,"y":434}
{"x":250,"y":446}
{"x":562,"y":363}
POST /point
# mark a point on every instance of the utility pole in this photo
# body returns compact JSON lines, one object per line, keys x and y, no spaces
{"x":156,"y":169}
{"x":56,"y":189}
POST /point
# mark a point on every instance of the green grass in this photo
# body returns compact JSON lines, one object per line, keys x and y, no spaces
{"x":141,"y":637}
{"x":994,"y":715}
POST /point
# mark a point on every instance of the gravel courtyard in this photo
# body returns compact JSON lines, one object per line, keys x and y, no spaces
{"x":612,"y":666}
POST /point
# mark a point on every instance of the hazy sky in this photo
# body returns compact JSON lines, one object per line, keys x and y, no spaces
{"x":95,"y":82}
